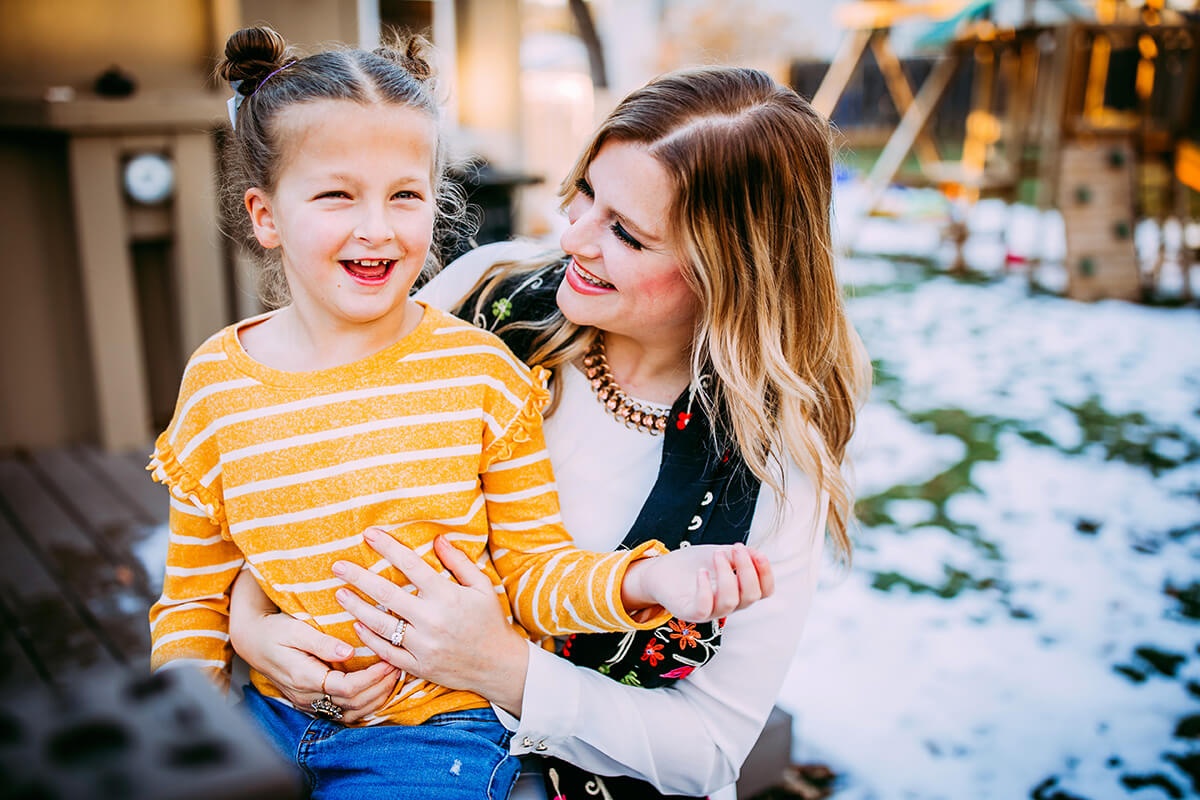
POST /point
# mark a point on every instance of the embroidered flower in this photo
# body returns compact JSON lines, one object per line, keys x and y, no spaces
{"x":652,"y":653}
{"x":678,"y":672}
{"x":502,"y":309}
{"x":685,"y":632}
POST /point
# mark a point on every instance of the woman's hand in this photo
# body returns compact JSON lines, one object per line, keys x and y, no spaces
{"x":699,"y":583}
{"x":296,"y":657}
{"x":456,"y":633}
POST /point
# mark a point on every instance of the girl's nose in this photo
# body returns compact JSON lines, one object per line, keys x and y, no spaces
{"x":373,"y":227}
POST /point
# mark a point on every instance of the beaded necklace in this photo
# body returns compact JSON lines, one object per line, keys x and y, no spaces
{"x":634,"y":414}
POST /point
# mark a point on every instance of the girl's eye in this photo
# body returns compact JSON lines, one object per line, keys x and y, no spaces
{"x":585,"y":189}
{"x":406,"y":195}
{"x":334,"y":194}
{"x":624,"y":236}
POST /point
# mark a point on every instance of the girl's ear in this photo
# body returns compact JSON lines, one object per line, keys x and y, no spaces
{"x":258,"y":205}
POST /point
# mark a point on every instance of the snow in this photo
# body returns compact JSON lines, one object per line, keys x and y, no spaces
{"x":1064,"y":542}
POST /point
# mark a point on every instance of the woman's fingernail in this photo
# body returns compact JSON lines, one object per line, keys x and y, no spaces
{"x":371,"y":534}
{"x":339,"y":568}
{"x":342,"y":595}
{"x":343,"y":650}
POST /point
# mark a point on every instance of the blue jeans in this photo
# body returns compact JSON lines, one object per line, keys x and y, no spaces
{"x":460,"y":755}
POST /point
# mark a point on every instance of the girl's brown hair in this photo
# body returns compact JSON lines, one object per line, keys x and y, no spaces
{"x":752,"y":167}
{"x":268,"y":76}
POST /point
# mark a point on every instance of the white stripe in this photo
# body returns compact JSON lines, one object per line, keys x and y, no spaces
{"x":166,"y":600}
{"x":311,"y":586}
{"x":348,"y":431}
{"x":187,"y":508}
{"x":476,"y":506}
{"x":354,"y":502}
{"x":192,"y":541}
{"x":455,"y":329}
{"x":211,"y":475}
{"x":186,"y":606}
{"x":617,"y":616}
{"x":193,"y":662}
{"x":535,"y":623}
{"x":494,"y":426}
{"x":211,"y":569}
{"x":309,"y":550}
{"x":521,"y":369}
{"x":193,"y":634}
{"x":499,"y":466}
{"x":208,"y":391}
{"x":208,"y":357}
{"x":341,"y":397}
{"x":383,"y":460}
{"x":332,"y":619}
{"x":528,"y":525}
{"x":524,"y":494}
{"x":364,"y":652}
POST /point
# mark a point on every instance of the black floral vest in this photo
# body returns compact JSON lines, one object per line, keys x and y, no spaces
{"x":704,"y":494}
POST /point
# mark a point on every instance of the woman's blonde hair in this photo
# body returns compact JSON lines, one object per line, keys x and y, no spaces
{"x":752,"y":167}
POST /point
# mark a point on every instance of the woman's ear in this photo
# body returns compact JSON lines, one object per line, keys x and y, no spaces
{"x":258,"y":206}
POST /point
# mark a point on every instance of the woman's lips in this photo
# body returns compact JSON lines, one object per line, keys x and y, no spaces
{"x":585,"y":282}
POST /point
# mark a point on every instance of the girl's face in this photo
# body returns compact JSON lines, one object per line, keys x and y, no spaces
{"x":352,"y":209}
{"x":624,"y":276}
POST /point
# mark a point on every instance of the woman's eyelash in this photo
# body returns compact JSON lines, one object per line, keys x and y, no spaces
{"x":585,"y":189}
{"x":624,"y":236}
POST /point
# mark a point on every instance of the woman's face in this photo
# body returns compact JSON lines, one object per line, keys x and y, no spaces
{"x":624,"y":276}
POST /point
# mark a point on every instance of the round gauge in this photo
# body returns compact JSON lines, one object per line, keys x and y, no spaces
{"x":149,"y":178}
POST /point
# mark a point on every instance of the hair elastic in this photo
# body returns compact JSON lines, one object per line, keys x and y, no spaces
{"x":235,"y":102}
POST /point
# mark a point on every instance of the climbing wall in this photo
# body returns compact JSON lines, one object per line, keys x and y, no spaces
{"x":1095,"y":197}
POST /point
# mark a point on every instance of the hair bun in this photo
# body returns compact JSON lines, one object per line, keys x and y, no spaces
{"x":252,"y":54}
{"x":414,"y":53}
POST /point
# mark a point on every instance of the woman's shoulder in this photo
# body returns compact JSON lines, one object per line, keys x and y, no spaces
{"x":448,"y":288}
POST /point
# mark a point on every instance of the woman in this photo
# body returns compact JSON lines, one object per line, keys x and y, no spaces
{"x":698,"y":278}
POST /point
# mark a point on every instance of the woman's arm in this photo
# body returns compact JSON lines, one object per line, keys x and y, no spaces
{"x":296,"y":657}
{"x":690,"y":738}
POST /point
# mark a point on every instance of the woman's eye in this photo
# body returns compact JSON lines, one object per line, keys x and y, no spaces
{"x":334,"y":194}
{"x":624,"y":236}
{"x":406,"y":195}
{"x":585,"y":189}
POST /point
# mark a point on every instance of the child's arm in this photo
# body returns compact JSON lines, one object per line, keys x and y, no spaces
{"x":556,"y":588}
{"x":190,"y":622}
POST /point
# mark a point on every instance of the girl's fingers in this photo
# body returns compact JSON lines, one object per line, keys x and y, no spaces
{"x":396,"y":656}
{"x":726,"y":594}
{"x":378,"y":588}
{"x":766,"y":575}
{"x":460,"y":566}
{"x":749,"y":588}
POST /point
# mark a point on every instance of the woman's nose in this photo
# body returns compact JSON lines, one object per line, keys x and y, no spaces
{"x":579,"y":239}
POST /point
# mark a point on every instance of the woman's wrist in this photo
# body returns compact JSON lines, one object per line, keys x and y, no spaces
{"x":503,"y":684}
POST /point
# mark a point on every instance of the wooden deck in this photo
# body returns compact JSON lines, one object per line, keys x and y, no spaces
{"x":73,"y":591}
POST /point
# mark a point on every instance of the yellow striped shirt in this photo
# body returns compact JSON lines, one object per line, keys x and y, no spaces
{"x":281,"y":472}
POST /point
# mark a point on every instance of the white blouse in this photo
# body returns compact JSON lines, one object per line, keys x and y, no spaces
{"x":692,"y":737}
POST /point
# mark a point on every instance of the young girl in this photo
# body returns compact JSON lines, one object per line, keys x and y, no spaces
{"x":353,"y":408}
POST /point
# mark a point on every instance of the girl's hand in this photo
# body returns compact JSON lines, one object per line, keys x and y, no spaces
{"x":296,"y":657}
{"x":699,"y":583}
{"x":457,"y":634}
